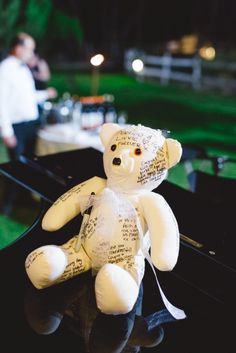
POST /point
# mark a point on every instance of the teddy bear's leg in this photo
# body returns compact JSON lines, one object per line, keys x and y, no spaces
{"x":110,"y":333}
{"x":53,"y":264}
{"x":116,"y":290}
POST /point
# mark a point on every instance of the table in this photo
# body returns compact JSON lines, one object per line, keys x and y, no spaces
{"x":65,"y":137}
{"x":65,"y":316}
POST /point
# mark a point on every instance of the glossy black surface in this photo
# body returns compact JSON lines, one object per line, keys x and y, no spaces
{"x":202,"y":284}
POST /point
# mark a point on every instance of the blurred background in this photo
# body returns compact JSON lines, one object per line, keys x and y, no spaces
{"x":164,"y":64}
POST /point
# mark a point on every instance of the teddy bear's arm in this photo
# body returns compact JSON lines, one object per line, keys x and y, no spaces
{"x":163,"y":230}
{"x":67,"y":206}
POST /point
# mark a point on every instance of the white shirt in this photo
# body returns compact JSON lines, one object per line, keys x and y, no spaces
{"x":18,"y":96}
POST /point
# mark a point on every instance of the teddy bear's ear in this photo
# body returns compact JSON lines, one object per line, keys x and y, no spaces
{"x":173,"y":152}
{"x":108,"y":130}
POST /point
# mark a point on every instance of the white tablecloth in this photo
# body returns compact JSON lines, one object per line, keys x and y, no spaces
{"x":65,"y":137}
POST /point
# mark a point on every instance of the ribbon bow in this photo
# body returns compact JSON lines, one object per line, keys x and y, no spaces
{"x":116,"y":206}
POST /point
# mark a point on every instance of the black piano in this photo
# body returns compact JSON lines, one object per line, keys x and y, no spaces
{"x":65,"y":317}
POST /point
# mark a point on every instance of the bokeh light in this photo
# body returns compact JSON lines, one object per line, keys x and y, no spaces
{"x":97,"y":60}
{"x":137,"y":65}
{"x":207,"y":53}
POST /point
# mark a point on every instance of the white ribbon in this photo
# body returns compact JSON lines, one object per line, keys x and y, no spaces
{"x":177,"y":313}
{"x":114,"y":206}
{"x":111,"y":207}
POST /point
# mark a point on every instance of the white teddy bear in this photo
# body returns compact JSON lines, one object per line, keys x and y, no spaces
{"x":123,"y":218}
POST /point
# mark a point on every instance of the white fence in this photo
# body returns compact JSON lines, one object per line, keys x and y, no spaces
{"x":167,"y":68}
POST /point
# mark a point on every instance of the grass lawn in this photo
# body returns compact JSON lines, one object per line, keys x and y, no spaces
{"x":199,"y":118}
{"x":10,"y":230}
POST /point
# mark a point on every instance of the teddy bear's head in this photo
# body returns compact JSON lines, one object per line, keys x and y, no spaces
{"x":137,"y":157}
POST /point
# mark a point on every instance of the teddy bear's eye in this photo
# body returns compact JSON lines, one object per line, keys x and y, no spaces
{"x":137,"y":151}
{"x":113,"y":147}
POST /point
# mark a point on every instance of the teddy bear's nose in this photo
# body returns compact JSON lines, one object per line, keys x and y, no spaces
{"x":116,"y":161}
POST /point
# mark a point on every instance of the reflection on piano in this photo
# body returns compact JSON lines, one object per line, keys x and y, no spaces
{"x":75,"y":308}
{"x":203,"y":283}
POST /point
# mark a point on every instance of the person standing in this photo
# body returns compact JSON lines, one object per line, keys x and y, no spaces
{"x":41,"y":75}
{"x":19,"y":100}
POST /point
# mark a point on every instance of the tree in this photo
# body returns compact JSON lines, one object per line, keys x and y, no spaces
{"x":66,"y":26}
{"x":29,"y":16}
{"x":36,"y":17}
{"x":65,"y":36}
{"x":9,"y":14}
{"x":53,"y":30}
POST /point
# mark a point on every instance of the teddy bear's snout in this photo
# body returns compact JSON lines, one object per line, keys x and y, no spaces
{"x":122,"y":163}
{"x":116,"y":161}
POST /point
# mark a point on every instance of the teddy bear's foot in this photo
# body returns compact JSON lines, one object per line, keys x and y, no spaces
{"x":45,"y":265}
{"x":116,"y":290}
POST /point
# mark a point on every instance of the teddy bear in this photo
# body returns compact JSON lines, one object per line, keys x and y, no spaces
{"x":123,"y":220}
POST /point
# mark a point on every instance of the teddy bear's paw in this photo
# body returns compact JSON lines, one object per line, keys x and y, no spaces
{"x":45,"y":265}
{"x":116,"y":290}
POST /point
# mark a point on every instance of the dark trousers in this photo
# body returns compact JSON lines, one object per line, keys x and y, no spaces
{"x":26,"y":135}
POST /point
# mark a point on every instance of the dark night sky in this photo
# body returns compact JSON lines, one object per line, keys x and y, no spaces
{"x":144,"y":22}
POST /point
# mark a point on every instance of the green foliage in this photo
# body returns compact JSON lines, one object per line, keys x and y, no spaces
{"x":9,"y":14}
{"x":67,"y":27}
{"x":30,"y":16}
{"x":37,"y":14}
{"x":34,"y":17}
